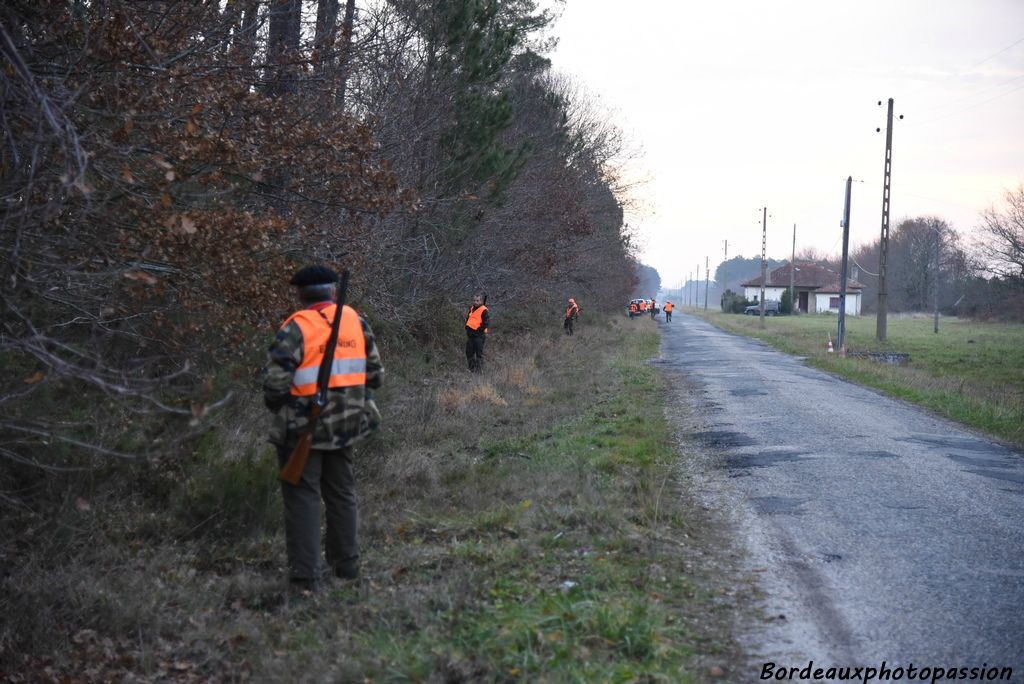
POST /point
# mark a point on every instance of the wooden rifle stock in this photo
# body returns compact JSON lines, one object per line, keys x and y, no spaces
{"x":292,"y":470}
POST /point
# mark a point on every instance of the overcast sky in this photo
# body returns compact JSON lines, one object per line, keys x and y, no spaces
{"x":738,"y":105}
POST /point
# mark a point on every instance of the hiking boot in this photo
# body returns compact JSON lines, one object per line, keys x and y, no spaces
{"x":302,"y":586}
{"x":347,"y":570}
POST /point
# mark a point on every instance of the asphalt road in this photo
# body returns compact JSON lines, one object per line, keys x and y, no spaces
{"x":878,"y":532}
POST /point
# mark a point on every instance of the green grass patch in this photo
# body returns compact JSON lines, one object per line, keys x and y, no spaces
{"x":970,"y":371}
{"x":564,"y":581}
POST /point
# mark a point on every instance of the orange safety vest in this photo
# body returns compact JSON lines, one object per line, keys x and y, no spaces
{"x":476,"y":317}
{"x":349,"y":366}
{"x":643,"y":305}
{"x":632,"y":307}
{"x":668,"y":307}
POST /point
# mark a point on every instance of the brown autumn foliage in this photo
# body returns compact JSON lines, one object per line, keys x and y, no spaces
{"x":166,"y":165}
{"x":192,"y":184}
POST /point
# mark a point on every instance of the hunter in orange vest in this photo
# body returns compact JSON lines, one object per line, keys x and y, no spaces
{"x":350,"y":415}
{"x":668,"y":311}
{"x":572,"y":312}
{"x":643,"y":305}
{"x":477,"y":327}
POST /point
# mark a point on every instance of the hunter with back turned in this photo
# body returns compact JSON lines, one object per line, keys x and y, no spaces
{"x":291,"y":384}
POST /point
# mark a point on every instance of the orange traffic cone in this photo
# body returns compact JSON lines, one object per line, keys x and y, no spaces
{"x":830,"y":350}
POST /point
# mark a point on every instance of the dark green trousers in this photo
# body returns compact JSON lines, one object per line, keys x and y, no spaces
{"x":328,"y":476}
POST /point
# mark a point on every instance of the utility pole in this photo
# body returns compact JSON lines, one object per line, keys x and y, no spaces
{"x":725,"y":272}
{"x":841,"y":332}
{"x":938,"y":243}
{"x":707,"y":279}
{"x":792,"y":271}
{"x":883,"y":245}
{"x":764,"y":264}
{"x":696,"y":298}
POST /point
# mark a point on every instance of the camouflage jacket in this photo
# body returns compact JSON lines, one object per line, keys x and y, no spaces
{"x":350,"y":414}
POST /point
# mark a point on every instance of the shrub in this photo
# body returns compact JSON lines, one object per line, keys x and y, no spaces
{"x":734,"y":303}
{"x":786,"y":305}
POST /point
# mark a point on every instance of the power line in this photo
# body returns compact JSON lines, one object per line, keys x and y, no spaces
{"x":968,"y":108}
{"x":861,"y":267}
{"x":994,"y":55}
{"x":960,"y":72}
{"x":975,"y":94}
{"x":941,"y":201}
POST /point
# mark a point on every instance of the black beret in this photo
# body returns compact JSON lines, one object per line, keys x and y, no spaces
{"x":314,"y":275}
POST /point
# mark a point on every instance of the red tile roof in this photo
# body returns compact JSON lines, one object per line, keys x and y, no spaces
{"x":808,"y":275}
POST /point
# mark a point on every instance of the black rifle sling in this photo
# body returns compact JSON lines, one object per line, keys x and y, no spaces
{"x":324,"y":376}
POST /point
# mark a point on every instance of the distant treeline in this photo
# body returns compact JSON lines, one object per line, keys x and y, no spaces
{"x":981,"y":276}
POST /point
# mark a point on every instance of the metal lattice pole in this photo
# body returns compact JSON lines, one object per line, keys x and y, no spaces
{"x":883,"y":245}
{"x":764,"y":263}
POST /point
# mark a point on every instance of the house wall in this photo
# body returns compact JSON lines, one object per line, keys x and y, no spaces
{"x":852,"y":303}
{"x":771,"y":294}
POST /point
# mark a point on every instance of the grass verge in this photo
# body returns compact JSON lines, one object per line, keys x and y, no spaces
{"x":971,"y":371}
{"x":522,"y":525}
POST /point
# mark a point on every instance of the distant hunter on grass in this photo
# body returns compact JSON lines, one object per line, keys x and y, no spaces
{"x":477,"y":323}
{"x":349,"y":415}
{"x":572,"y":312}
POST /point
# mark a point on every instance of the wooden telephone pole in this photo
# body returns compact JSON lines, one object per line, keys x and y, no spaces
{"x":707,"y":279}
{"x":792,"y":271}
{"x":841,"y":332}
{"x":725,"y":272}
{"x":696,"y":296}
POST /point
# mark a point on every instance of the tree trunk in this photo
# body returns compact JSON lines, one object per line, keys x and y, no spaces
{"x":326,"y":29}
{"x":282,"y":45}
{"x":346,"y":50}
{"x":243,"y":33}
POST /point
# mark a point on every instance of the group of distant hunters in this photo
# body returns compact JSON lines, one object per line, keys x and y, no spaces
{"x":643,"y":307}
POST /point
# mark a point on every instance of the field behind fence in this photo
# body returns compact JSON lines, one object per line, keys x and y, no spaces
{"x":970,"y":371}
